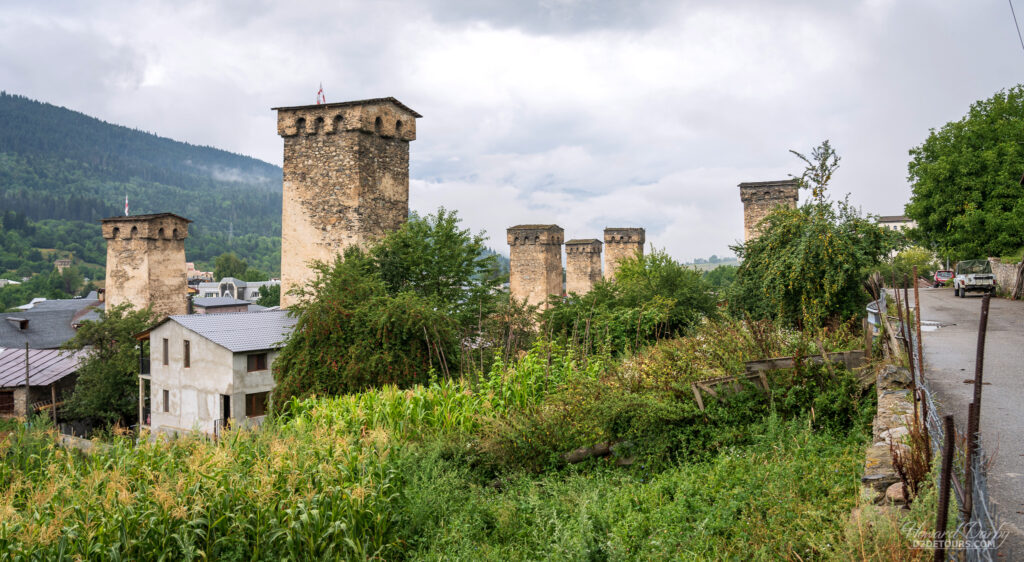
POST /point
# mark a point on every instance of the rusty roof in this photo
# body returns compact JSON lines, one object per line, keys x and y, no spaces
{"x":45,"y":366}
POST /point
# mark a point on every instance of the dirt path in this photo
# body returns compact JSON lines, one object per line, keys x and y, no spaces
{"x":949,"y":353}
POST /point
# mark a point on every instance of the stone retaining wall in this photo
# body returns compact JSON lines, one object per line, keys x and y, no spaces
{"x":895,"y":412}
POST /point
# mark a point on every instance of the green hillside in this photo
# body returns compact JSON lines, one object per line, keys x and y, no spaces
{"x":62,"y":165}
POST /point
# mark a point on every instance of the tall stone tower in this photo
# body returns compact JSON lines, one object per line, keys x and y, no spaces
{"x":346,"y":180}
{"x":621,"y":243}
{"x":582,"y":265}
{"x":146,"y":262}
{"x":760,"y":197}
{"x":535,"y":252}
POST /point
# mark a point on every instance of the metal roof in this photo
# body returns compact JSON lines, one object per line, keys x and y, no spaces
{"x":49,"y":324}
{"x":213,"y":302}
{"x":238,"y":331}
{"x":45,"y":366}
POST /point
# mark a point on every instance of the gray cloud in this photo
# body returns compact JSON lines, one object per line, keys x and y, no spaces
{"x":584,"y":113}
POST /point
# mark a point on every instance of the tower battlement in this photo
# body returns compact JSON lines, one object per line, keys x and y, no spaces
{"x":621,"y":243}
{"x":535,"y":255}
{"x":761,"y":197}
{"x":582,"y":265}
{"x":146,"y":262}
{"x":346,"y":180}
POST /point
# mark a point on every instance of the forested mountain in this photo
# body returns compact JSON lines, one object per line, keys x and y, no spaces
{"x":58,"y":164}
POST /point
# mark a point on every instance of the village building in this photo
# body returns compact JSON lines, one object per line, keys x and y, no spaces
{"x":43,"y":323}
{"x":206,"y":371}
{"x":50,"y":378}
{"x":235,"y":288}
{"x":222,"y":305}
{"x":895,"y":222}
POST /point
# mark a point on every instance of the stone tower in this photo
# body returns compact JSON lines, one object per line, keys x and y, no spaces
{"x":621,"y":243}
{"x":535,"y":252}
{"x":582,"y":265}
{"x":760,"y":197}
{"x":146,"y":262}
{"x":346,"y":180}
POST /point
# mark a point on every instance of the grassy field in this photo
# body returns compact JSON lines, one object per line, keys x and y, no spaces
{"x":470,"y":470}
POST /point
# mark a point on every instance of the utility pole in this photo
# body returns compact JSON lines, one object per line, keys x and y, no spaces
{"x":28,"y":389}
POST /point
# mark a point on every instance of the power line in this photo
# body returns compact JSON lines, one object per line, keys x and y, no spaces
{"x":1015,"y":24}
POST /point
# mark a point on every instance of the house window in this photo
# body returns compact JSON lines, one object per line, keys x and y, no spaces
{"x":166,"y":354}
{"x":167,"y":399}
{"x":256,"y":404}
{"x":257,"y":362}
{"x":188,"y":354}
{"x":7,"y":401}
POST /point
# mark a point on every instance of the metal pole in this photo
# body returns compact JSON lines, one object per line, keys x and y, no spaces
{"x":28,"y":389}
{"x":943,"y":507}
{"x":968,"y":506}
{"x":974,"y":412}
{"x":917,"y":307}
{"x":909,"y":345}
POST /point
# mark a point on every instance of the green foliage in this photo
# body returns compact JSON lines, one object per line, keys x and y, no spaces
{"x":652,"y":297}
{"x":721,"y":277}
{"x":229,"y":265}
{"x":394,"y":314}
{"x":807,"y":265}
{"x":270,"y":295}
{"x":902,"y":265}
{"x":106,"y":391}
{"x":966,"y":181}
{"x":821,"y":166}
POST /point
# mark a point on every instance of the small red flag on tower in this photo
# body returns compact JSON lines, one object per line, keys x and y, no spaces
{"x":320,"y":97}
{"x":126,"y":204}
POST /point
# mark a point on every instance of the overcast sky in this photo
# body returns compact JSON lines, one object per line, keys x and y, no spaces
{"x":583,"y":113}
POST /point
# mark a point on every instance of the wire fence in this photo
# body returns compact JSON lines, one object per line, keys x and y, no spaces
{"x":976,"y":538}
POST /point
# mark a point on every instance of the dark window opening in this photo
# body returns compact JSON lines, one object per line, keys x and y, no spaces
{"x":116,"y":233}
{"x":377,"y":125}
{"x":166,"y":353}
{"x":257,"y":362}
{"x":188,"y":354}
{"x":398,"y":127}
{"x":300,"y":125}
{"x":225,"y":406}
{"x":7,"y":401}
{"x":167,"y":400}
{"x":134,"y":232}
{"x":256,"y":404}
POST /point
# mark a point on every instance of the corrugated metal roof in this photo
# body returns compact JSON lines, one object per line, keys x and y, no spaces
{"x":241,"y":331}
{"x":45,"y":366}
{"x":208,"y":302}
{"x":50,"y":324}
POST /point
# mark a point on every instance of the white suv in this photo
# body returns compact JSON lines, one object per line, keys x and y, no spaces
{"x":973,"y":275}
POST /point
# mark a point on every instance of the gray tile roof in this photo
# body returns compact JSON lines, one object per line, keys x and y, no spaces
{"x":210,"y":302}
{"x":241,"y":331}
{"x":49,"y":324}
{"x":45,"y":366}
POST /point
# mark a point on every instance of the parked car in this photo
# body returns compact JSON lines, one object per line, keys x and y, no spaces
{"x":973,"y":275}
{"x":942,"y":277}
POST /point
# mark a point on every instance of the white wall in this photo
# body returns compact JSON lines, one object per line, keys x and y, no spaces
{"x":195,"y":392}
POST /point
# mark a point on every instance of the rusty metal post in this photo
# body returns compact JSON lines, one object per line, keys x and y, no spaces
{"x":968,"y":506}
{"x":974,"y":412}
{"x":917,"y":308}
{"x":944,"y":479}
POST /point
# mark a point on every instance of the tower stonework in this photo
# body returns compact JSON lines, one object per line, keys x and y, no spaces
{"x":535,"y":253}
{"x":346,"y":180}
{"x":761,"y":197}
{"x":146,"y":262}
{"x":621,"y":243}
{"x":582,"y":265}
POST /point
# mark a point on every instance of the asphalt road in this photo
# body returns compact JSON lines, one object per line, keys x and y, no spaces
{"x":949,"y":354}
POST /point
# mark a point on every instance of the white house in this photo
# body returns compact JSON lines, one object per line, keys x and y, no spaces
{"x":235,"y":288}
{"x":205,"y":371}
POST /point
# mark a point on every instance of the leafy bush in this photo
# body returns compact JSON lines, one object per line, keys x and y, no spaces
{"x":806,"y":267}
{"x":652,"y":297}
